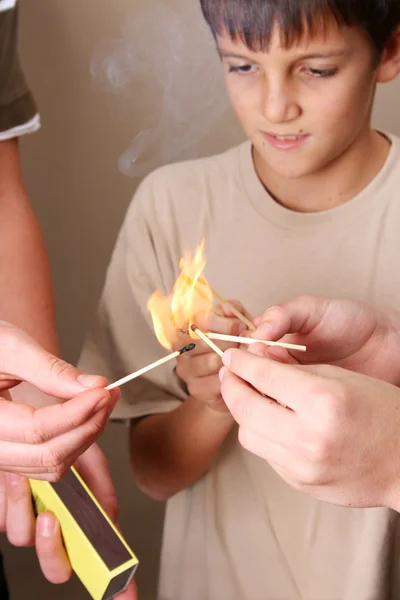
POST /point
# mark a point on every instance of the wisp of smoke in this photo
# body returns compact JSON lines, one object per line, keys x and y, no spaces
{"x":165,"y":67}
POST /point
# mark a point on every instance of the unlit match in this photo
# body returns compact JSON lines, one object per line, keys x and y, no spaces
{"x":207,"y":340}
{"x":243,"y":340}
{"x":154,"y":365}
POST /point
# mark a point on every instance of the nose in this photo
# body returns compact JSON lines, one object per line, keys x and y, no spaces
{"x":279,"y":104}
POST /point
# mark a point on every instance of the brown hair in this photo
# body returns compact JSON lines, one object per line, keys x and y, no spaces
{"x":252,"y":21}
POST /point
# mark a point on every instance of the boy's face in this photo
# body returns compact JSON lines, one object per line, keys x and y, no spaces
{"x":304,"y":106}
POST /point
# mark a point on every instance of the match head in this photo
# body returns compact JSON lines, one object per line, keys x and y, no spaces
{"x":187,"y":348}
{"x":193,"y":327}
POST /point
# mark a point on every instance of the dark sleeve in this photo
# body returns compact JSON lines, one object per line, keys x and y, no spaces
{"x":17,"y":106}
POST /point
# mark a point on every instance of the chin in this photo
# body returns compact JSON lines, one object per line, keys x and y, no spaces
{"x":291,"y":166}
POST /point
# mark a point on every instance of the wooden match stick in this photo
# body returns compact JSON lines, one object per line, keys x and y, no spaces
{"x":244,"y":340}
{"x":207,"y":340}
{"x":158,"y":363}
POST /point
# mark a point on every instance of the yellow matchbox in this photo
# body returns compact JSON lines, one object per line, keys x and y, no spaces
{"x":98,"y":553}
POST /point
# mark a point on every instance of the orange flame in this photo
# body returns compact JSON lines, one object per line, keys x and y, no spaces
{"x":173,"y":313}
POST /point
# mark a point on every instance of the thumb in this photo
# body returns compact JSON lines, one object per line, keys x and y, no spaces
{"x":23,"y":359}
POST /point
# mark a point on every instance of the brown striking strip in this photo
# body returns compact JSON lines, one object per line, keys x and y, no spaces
{"x":92,"y":522}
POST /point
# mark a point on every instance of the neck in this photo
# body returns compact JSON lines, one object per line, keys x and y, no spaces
{"x":334,"y":185}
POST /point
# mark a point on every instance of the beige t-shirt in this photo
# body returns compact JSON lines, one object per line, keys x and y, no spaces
{"x":240,"y":532}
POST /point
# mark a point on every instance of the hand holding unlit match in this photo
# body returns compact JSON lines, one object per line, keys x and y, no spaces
{"x":154,"y":365}
{"x":244,"y":340}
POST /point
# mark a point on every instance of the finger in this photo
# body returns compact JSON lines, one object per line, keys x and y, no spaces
{"x":255,"y":413}
{"x":297,"y":316}
{"x":227,"y":311}
{"x":217,"y":324}
{"x":273,"y":352}
{"x":130,"y":593}
{"x":54,"y":456}
{"x":23,"y":359}
{"x":94,"y":470}
{"x":20,"y":518}
{"x":206,"y":389}
{"x":51,"y":553}
{"x":199,"y":366}
{"x":3,"y":501}
{"x":290,"y":385}
{"x":21,"y":423}
{"x":276,"y":455}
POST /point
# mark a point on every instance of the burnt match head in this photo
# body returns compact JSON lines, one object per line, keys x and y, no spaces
{"x":187,"y":348}
{"x":193,"y":327}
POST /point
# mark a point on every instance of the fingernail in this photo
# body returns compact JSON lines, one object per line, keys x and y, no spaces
{"x":88,"y":381}
{"x":226,"y":359}
{"x":47,"y":525}
{"x":222,"y":373}
{"x":242,"y":328}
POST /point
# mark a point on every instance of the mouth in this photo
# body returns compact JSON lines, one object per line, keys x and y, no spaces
{"x":288,"y":138}
{"x":285,"y":142}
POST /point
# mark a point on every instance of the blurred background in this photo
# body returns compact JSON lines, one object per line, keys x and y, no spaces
{"x":91,"y":110}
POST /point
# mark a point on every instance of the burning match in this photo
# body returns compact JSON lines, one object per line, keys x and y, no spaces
{"x":154,"y":365}
{"x":244,"y":340}
{"x":205,"y":339}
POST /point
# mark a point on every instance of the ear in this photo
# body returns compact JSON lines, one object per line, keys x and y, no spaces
{"x":389,"y":64}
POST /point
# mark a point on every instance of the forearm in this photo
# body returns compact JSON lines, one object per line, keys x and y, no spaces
{"x":170,"y":452}
{"x":26,"y":299}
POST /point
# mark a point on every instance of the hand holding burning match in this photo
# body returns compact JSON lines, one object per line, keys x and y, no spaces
{"x":179,"y":315}
{"x":199,"y":369}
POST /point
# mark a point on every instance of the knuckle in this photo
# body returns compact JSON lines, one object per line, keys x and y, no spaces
{"x":51,"y":459}
{"x":330,"y":408}
{"x":56,"y":474}
{"x":317,"y":448}
{"x":35,"y":435}
{"x":96,"y":428}
{"x":58,"y":367}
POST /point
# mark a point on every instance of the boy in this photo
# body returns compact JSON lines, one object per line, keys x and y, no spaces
{"x":308,"y":205}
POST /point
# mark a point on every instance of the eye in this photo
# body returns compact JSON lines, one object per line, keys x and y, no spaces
{"x":320,"y":72}
{"x":242,"y":69}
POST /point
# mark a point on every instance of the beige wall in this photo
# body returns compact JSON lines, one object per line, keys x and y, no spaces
{"x":80,"y":196}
